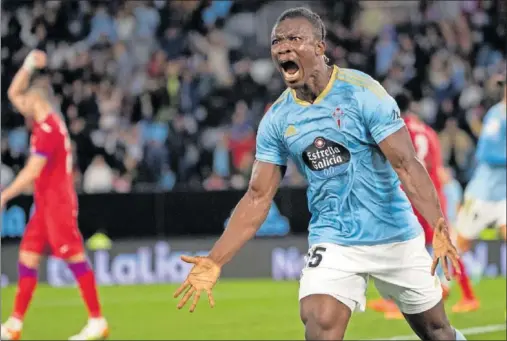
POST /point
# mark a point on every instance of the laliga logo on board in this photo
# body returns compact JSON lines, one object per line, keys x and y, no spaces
{"x":146,"y":265}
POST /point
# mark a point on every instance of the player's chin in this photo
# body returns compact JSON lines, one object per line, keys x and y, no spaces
{"x":294,"y":81}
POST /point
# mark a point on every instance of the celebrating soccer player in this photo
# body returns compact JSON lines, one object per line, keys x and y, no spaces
{"x":347,"y":137}
{"x":54,"y":223}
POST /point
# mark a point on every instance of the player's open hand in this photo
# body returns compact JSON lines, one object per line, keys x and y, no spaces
{"x":203,"y":276}
{"x":443,"y":249}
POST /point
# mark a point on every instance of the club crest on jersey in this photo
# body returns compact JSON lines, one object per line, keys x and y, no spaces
{"x":337,"y":115}
{"x":326,"y":158}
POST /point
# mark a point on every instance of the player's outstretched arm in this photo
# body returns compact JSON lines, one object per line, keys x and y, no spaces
{"x":25,"y":178}
{"x":245,"y":221}
{"x":250,"y":212}
{"x":417,"y":183}
{"x":16,"y":93}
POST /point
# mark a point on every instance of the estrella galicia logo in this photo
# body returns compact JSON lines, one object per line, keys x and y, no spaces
{"x":326,"y":158}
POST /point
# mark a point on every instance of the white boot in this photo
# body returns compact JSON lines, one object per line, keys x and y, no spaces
{"x":95,"y":329}
{"x":11,"y":330}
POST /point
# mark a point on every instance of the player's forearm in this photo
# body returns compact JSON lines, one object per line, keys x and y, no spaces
{"x":24,"y":179}
{"x":19,"y":83}
{"x":22,"y":182}
{"x":245,"y":221}
{"x":420,"y":190}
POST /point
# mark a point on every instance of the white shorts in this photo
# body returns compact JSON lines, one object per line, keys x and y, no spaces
{"x":476,"y":215}
{"x":401,"y":272}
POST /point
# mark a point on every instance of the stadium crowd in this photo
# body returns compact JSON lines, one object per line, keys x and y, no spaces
{"x":162,"y":95}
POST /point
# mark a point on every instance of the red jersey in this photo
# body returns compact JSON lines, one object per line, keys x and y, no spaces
{"x":427,"y":148}
{"x":54,"y":187}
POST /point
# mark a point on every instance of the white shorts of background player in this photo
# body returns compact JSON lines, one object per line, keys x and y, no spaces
{"x":476,"y":215}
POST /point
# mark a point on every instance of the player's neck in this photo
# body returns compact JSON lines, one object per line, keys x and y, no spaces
{"x":318,"y":82}
{"x":41,"y":113}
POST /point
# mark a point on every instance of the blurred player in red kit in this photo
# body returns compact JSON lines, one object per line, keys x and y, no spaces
{"x":54,"y":223}
{"x":427,"y":147}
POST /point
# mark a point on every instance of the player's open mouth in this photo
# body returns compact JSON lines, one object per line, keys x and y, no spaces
{"x":290,"y":70}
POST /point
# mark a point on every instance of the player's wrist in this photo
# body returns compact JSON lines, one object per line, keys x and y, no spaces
{"x":5,"y":195}
{"x":439,"y":225}
{"x":29,"y":63}
{"x":216,"y":260}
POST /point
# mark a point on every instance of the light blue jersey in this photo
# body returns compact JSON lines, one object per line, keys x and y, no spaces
{"x":453,"y":196}
{"x":489,"y":182}
{"x":353,"y":193}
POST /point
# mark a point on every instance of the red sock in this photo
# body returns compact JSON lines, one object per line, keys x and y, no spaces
{"x":27,"y":282}
{"x":87,"y":285}
{"x":464,"y":282}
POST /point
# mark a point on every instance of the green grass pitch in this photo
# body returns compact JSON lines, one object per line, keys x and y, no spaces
{"x":249,"y":309}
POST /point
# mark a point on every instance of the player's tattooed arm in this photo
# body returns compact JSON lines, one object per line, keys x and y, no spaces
{"x":25,"y":178}
{"x":17,"y":90}
{"x":250,"y":212}
{"x":416,"y":181}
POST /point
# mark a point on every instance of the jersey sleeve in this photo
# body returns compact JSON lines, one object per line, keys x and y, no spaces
{"x":269,"y":144}
{"x":382,"y":116}
{"x":491,"y":147}
{"x":44,"y":141}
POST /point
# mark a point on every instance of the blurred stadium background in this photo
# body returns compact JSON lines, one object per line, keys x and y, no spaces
{"x":162,"y":99}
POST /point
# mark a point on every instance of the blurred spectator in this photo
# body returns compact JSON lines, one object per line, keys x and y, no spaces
{"x":98,"y":177}
{"x":457,"y":149}
{"x":125,"y":24}
{"x":386,"y":49}
{"x":102,"y":27}
{"x":6,"y":176}
{"x":241,"y":134}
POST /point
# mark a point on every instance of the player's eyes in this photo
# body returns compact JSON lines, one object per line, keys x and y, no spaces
{"x":294,"y":39}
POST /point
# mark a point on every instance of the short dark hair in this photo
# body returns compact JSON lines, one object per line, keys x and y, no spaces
{"x":403,"y":100}
{"x":312,"y":17}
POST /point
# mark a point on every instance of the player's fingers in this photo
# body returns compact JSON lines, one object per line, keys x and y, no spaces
{"x":185,"y":298}
{"x":196,"y":300}
{"x":210,"y":298}
{"x":434,"y":266}
{"x":182,"y":287}
{"x":455,"y":262}
{"x":443,"y":263}
{"x":455,"y":253}
{"x":189,"y":259}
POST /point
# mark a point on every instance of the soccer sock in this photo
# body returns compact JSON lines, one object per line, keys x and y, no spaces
{"x":459,"y":335}
{"x":464,"y":282}
{"x":87,"y":285}
{"x":27,"y":282}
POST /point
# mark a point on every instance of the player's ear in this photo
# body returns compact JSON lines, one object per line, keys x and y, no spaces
{"x":321,"y":48}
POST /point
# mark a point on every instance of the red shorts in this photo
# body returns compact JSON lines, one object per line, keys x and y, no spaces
{"x":55,"y":232}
